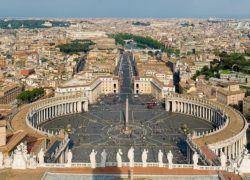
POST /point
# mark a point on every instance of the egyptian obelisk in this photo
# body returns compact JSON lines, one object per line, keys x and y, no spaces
{"x":126,"y":120}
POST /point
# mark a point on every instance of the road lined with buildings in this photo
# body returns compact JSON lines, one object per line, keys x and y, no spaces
{"x":126,"y":77}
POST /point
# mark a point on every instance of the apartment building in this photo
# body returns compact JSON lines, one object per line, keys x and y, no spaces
{"x":230,"y":93}
{"x":8,"y":93}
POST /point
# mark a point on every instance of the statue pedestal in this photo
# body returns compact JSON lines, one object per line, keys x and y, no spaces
{"x":119,"y":164}
{"x":19,"y":161}
{"x":103,"y":164}
{"x":68,"y":164}
{"x":131,"y":164}
{"x":195,"y":167}
{"x":93,"y":165}
{"x":160,"y":164}
{"x":127,"y":131}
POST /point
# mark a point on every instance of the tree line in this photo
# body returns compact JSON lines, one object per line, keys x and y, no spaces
{"x":143,"y":41}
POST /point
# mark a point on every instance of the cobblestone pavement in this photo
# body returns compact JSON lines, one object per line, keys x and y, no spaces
{"x":152,"y":129}
{"x":102,"y":126}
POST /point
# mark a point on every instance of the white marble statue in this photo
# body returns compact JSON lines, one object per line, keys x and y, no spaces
{"x":160,"y":158}
{"x":103,"y":158}
{"x":119,"y":158}
{"x":19,"y":159}
{"x":131,"y":157}
{"x":32,"y":162}
{"x":244,"y":164}
{"x":144,"y":158}
{"x":1,"y":160}
{"x":24,"y":149}
{"x":245,"y":151}
{"x":223,"y":160}
{"x":195,"y":159}
{"x":8,"y":161}
{"x":69,"y":158}
{"x":41,"y":157}
{"x":92,"y":158}
{"x":170,"y":159}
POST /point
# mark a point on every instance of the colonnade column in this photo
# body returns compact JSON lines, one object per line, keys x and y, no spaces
{"x":79,"y":106}
{"x":86,"y":106}
{"x":173,"y":106}
{"x":71,"y":107}
{"x":167,"y":104}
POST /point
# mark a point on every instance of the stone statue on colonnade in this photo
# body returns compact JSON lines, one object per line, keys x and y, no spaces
{"x":195,"y":160}
{"x":69,"y":158}
{"x":160,"y":158}
{"x":103,"y":158}
{"x":119,"y":158}
{"x":131,"y":157}
{"x":170,"y":160}
{"x":144,"y":158}
{"x":41,"y":157}
{"x":92,"y":158}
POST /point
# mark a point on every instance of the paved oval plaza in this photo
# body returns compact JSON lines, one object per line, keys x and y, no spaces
{"x":153,"y":129}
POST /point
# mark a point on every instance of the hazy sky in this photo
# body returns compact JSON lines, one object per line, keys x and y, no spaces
{"x":125,"y":8}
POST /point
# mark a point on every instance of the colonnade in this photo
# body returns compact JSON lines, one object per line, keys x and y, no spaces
{"x":233,"y":150}
{"x":216,"y":114}
{"x":202,"y":111}
{"x":43,"y":112}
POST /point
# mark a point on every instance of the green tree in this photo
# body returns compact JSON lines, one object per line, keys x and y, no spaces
{"x":147,"y":42}
{"x":76,"y":46}
{"x":29,"y":96}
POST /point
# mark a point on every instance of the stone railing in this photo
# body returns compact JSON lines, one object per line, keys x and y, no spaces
{"x":231,"y":140}
{"x":126,"y":164}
